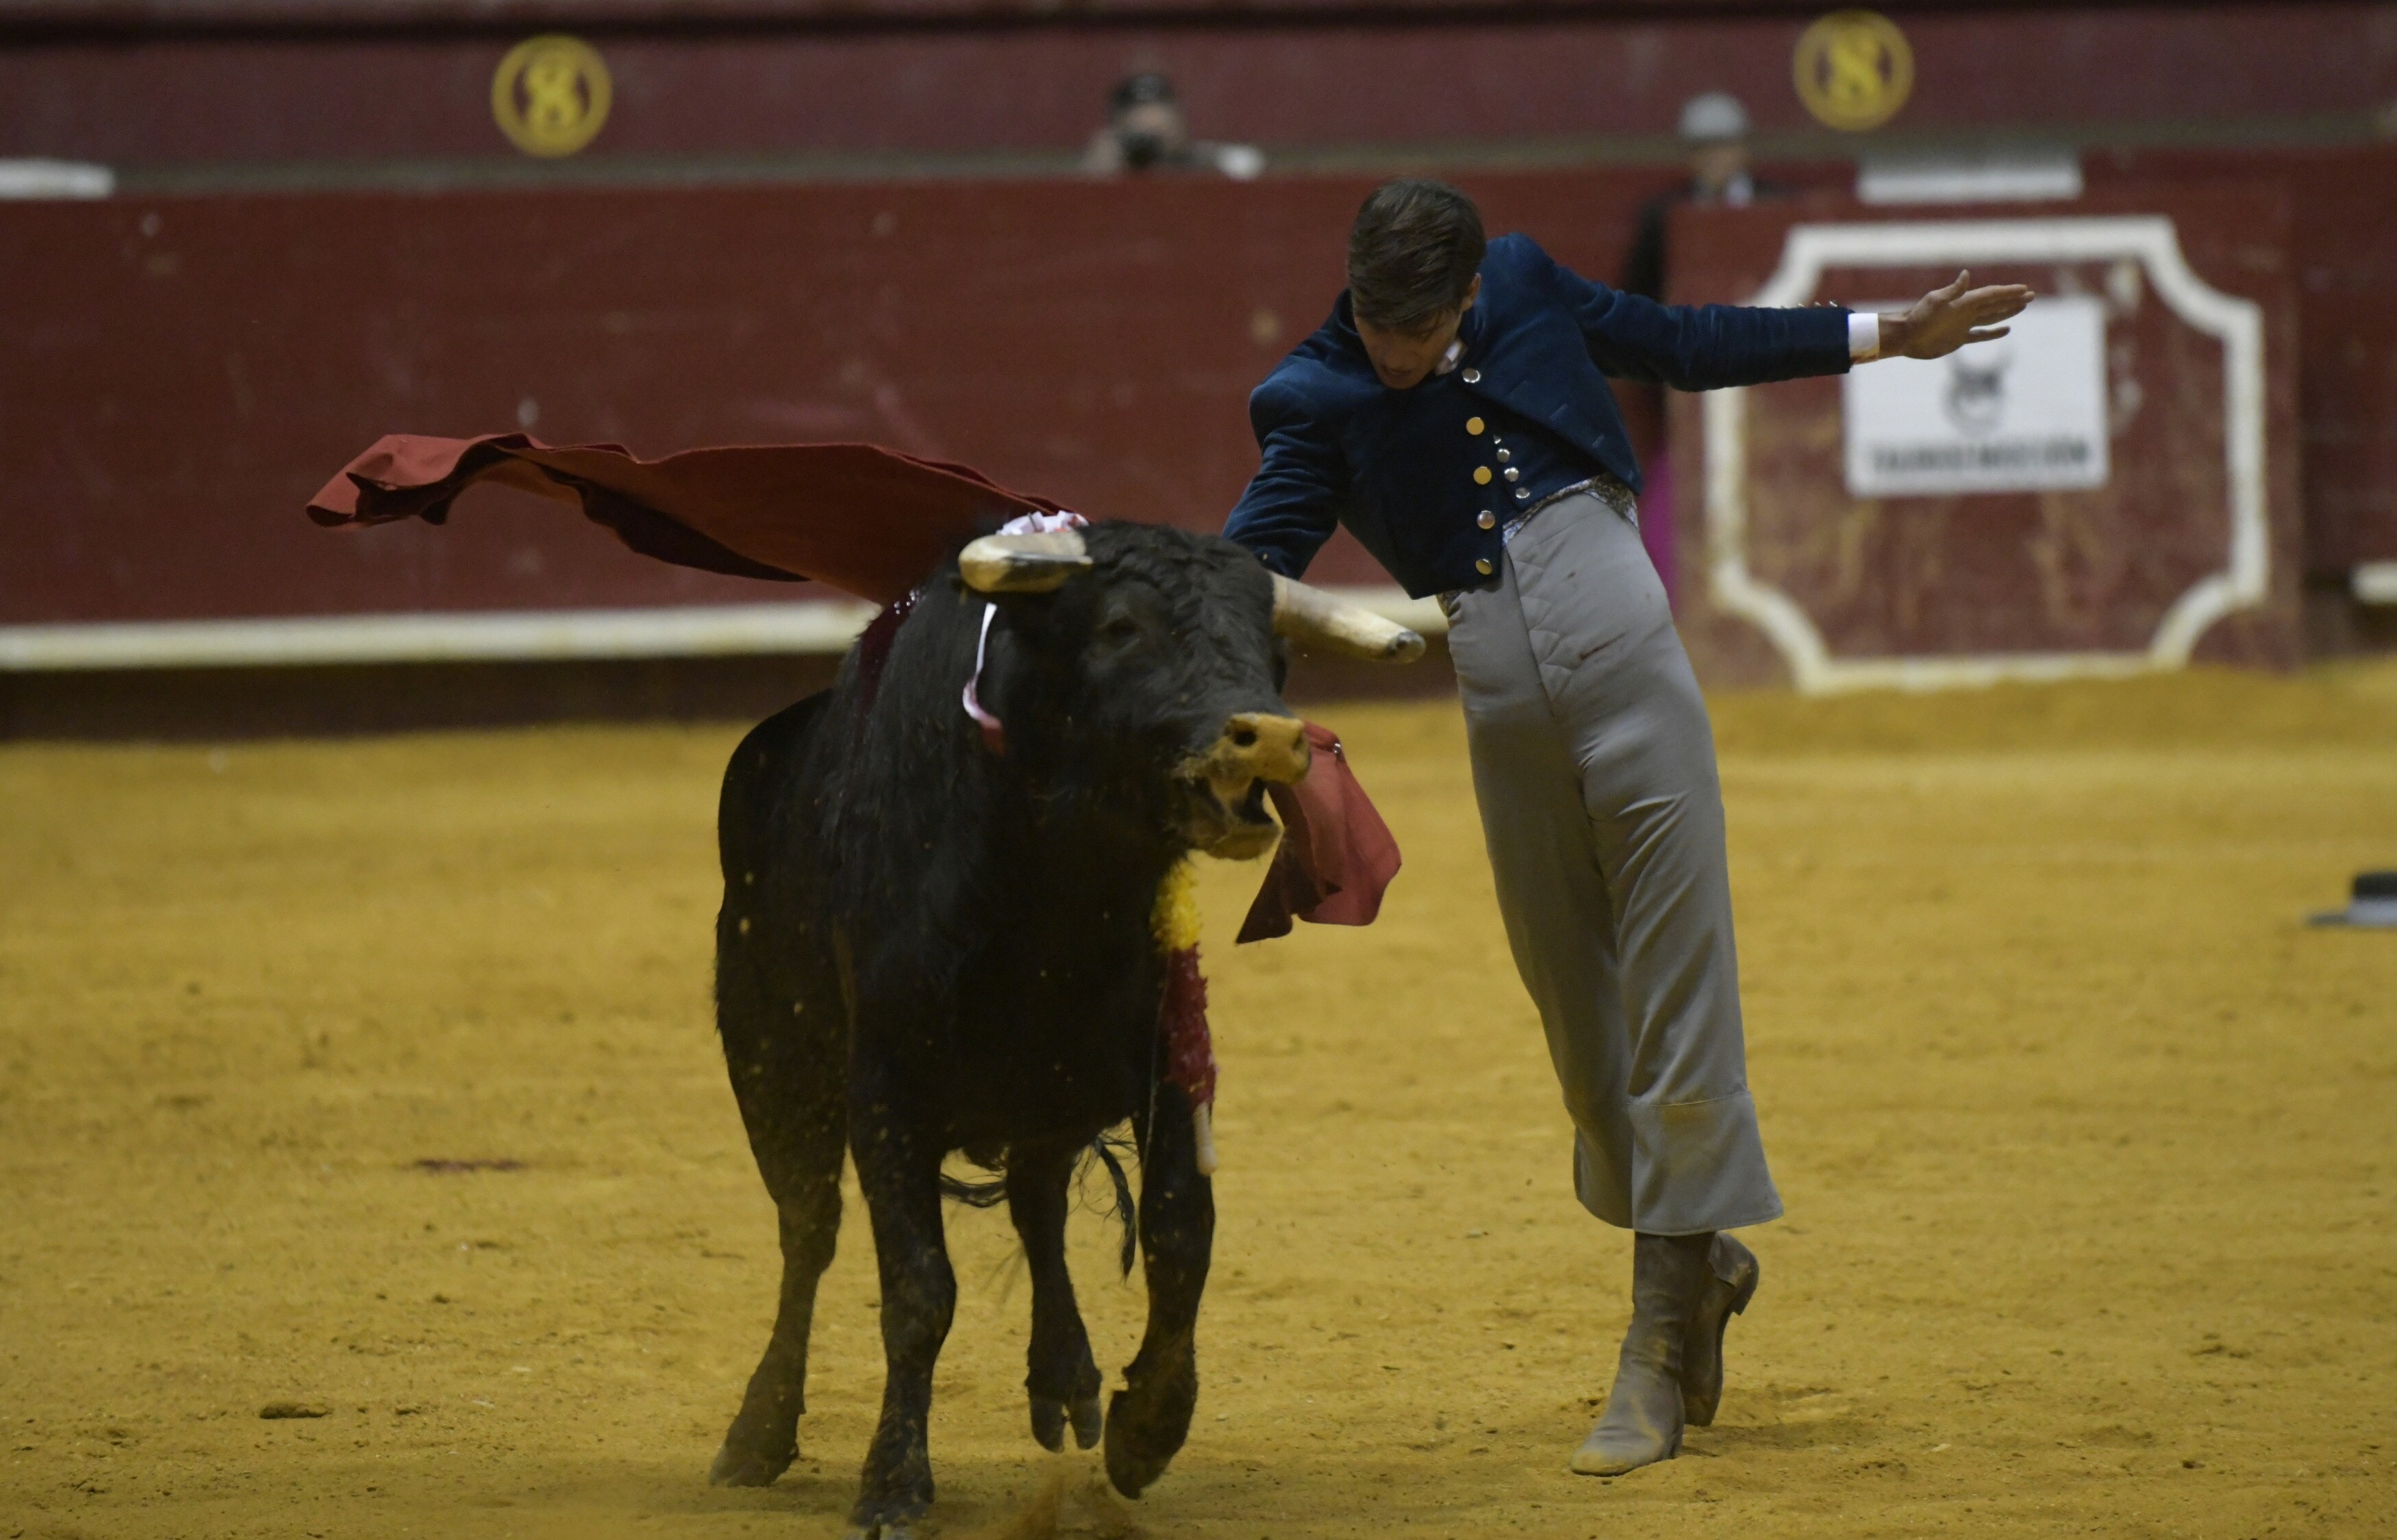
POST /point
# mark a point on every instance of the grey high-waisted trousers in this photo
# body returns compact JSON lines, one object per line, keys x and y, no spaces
{"x":1595,"y":767}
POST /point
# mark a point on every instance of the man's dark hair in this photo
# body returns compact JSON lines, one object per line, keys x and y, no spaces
{"x":1413,"y":253}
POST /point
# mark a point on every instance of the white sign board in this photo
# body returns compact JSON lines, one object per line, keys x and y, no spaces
{"x":2025,"y":413}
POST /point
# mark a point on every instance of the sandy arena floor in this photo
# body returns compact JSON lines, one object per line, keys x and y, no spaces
{"x":2089,"y":1145}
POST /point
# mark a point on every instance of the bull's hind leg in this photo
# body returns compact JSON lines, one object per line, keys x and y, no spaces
{"x":787,"y":1078}
{"x":899,"y":1172}
{"x":1149,"y":1418}
{"x":1063,"y":1380}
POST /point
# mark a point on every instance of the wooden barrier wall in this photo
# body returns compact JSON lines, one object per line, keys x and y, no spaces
{"x":194,"y":82}
{"x":183,"y":372}
{"x":2342,"y":264}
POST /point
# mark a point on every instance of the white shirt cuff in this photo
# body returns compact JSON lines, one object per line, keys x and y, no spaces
{"x":1864,"y":336}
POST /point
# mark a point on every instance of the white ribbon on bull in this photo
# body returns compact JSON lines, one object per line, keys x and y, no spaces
{"x":993,"y":732}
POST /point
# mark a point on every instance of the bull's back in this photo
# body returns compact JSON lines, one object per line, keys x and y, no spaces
{"x":777,"y":996}
{"x":762,"y":784}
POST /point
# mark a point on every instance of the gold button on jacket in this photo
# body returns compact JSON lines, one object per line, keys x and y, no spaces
{"x":1481,"y":476}
{"x":1482,"y":566}
{"x":1474,"y":426}
{"x":1488,"y":519}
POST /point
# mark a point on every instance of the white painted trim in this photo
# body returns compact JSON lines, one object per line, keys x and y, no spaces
{"x":804,"y":626}
{"x":2007,"y":176}
{"x":691,"y":631}
{"x":2376,"y":583}
{"x":55,"y":179}
{"x":1809,"y":248}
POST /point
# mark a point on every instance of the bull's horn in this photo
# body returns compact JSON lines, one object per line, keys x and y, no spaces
{"x":1023,"y":563}
{"x":1314,"y":617}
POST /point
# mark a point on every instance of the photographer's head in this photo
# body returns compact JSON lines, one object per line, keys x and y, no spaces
{"x":1715,"y":127}
{"x":1414,"y":259}
{"x":1147,"y":121}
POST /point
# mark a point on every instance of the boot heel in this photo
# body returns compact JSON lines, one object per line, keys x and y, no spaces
{"x":1702,"y":1353}
{"x":1747,"y":1291}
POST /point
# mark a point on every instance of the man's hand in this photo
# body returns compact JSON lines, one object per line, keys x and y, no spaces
{"x":1947,"y":318}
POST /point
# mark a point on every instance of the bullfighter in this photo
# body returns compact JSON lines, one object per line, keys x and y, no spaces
{"x":1454,"y":414}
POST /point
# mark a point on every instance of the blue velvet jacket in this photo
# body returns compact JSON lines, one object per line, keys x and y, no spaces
{"x":1411,"y":472}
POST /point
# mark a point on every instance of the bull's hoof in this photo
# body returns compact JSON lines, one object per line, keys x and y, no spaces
{"x":738,"y":1465}
{"x":1146,"y":1426}
{"x":1050,"y":1417}
{"x":892,"y":1519}
{"x":1049,"y":1423}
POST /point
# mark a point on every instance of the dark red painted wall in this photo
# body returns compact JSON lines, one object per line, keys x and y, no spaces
{"x":1385,"y":79}
{"x":182,"y":373}
{"x":155,"y":17}
{"x":2343,"y":260}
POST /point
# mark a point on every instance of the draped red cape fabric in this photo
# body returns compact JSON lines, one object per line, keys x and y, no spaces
{"x":863,"y":519}
{"x":1336,"y":855}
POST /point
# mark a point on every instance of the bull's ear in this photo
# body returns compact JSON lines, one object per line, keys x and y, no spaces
{"x":1023,"y":563}
{"x":1313,"y":617}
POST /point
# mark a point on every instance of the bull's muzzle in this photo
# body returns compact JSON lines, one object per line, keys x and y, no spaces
{"x":1257,"y":747}
{"x":1254,"y":751}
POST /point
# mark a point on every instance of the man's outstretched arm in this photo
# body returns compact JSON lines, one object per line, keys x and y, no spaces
{"x":1945,"y":320}
{"x":1707,"y":347}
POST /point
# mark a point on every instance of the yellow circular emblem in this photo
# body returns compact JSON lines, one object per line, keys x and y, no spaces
{"x":1853,"y":69}
{"x":549,"y":95}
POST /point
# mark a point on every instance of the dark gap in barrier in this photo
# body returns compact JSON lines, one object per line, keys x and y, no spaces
{"x":2338,"y":624}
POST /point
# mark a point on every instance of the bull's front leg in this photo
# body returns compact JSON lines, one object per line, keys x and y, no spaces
{"x":899,"y":1172}
{"x":1063,"y":1381}
{"x":1148,"y":1419}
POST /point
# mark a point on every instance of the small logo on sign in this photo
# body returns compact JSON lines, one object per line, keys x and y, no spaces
{"x":1853,"y":69}
{"x":549,"y":95}
{"x":1976,"y":389}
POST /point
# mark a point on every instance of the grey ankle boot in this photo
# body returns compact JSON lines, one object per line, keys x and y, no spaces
{"x":1643,"y":1418}
{"x":1732,"y":1273}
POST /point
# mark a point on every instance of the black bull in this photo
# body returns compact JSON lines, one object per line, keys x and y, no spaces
{"x":929,"y":944}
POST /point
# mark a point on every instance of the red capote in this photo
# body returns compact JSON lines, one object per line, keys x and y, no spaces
{"x":867,"y":520}
{"x":1336,"y":855}
{"x":864,"y":520}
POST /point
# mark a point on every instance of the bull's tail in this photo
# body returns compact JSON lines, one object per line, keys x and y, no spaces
{"x":987,"y":1194}
{"x":1108,"y":1149}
